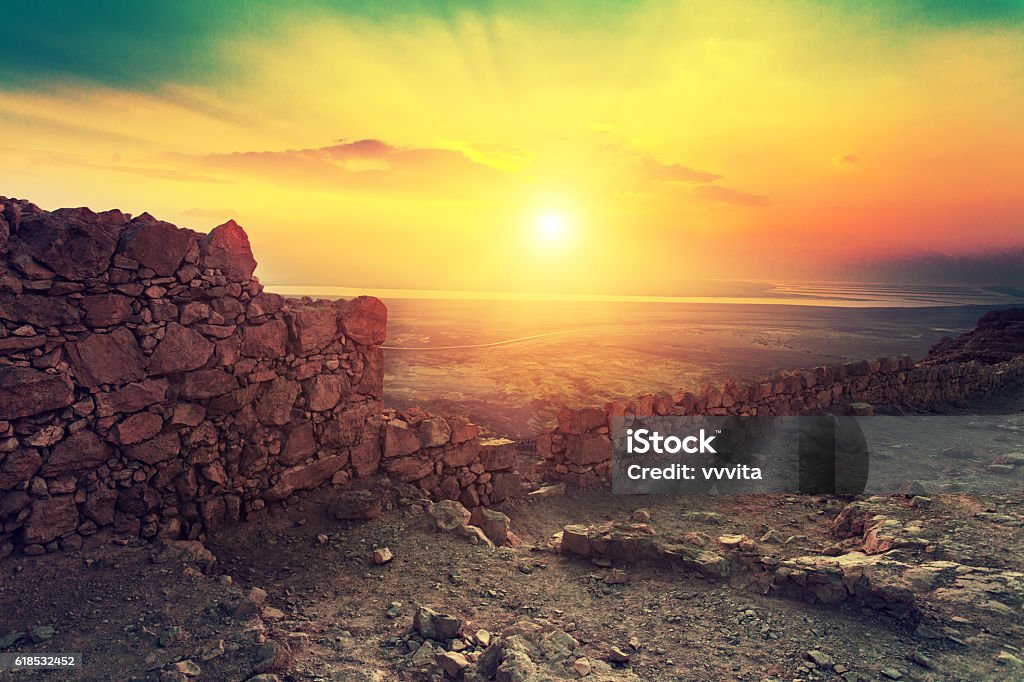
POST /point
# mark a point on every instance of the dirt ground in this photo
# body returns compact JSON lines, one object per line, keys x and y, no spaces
{"x":295,"y":594}
{"x":344,"y":618}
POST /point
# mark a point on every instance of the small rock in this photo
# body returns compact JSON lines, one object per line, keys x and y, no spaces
{"x":322,"y":539}
{"x":212,"y":650}
{"x":642,"y":516}
{"x":582,"y":666}
{"x":922,"y":660}
{"x":448,"y":515}
{"x":169,"y":636}
{"x":616,"y":576}
{"x":436,"y":626}
{"x":1006,"y":658}
{"x":188,"y":668}
{"x":424,"y":655}
{"x":482,"y":637}
{"x":548,"y":491}
{"x":891,"y":673}
{"x":820,"y":658}
{"x":452,"y":663}
{"x":382,"y":555}
{"x":270,"y":613}
{"x":41,"y":633}
{"x":617,"y":655}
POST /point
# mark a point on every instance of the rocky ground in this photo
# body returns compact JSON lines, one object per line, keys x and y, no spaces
{"x":756,"y":588}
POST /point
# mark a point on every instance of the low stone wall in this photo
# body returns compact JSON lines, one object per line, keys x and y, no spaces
{"x":578,"y":450}
{"x":448,"y":459}
{"x":148,"y":384}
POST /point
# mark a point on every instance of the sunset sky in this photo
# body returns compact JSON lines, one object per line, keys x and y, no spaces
{"x":570,"y":146}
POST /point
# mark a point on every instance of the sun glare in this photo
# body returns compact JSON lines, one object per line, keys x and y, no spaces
{"x":551,"y":227}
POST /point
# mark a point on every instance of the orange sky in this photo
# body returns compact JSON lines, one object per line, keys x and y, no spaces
{"x":625,"y":149}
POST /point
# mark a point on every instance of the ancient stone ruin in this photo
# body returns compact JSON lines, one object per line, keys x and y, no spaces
{"x":150,"y":387}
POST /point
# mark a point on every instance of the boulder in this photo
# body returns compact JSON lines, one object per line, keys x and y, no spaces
{"x":439,"y":627}
{"x":263,"y":304}
{"x":226,"y":248}
{"x":498,"y":453}
{"x":408,"y":469}
{"x":364,"y":319}
{"x":99,"y":506}
{"x":163,"y":447}
{"x":495,"y":525}
{"x":325,"y":391}
{"x":181,"y":350}
{"x":265,"y":340}
{"x":37,"y":310}
{"x":591,"y":448}
{"x":399,"y":439}
{"x":577,"y":422}
{"x":462,"y":454}
{"x":81,"y":450}
{"x":452,"y":662}
{"x":305,"y":477}
{"x":73,"y":242}
{"x":106,"y":310}
{"x":366,"y":456}
{"x":131,"y":398}
{"x":207,"y":383}
{"x":312,"y":328}
{"x":274,"y":406}
{"x":50,"y":519}
{"x":433,"y":432}
{"x":25,"y":392}
{"x":195,"y":311}
{"x":137,"y":427}
{"x":575,"y":540}
{"x":462,"y":429}
{"x":18,"y":467}
{"x":155,"y":244}
{"x":448,"y":515}
{"x":298,"y":445}
{"x":371,"y":383}
{"x":113,"y":358}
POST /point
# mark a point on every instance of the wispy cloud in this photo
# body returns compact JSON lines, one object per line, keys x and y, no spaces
{"x":727,"y":195}
{"x":676,"y":172}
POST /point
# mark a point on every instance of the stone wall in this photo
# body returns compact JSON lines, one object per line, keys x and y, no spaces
{"x":150,"y":386}
{"x":448,"y":459}
{"x":578,"y":450}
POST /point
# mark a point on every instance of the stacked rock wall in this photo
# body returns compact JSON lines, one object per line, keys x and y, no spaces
{"x":148,"y":384}
{"x":447,"y":458}
{"x":579,"y":449}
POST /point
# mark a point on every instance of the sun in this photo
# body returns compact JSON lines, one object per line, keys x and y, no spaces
{"x":551,"y":227}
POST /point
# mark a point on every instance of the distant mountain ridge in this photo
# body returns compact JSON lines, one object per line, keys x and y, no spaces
{"x":998,"y":337}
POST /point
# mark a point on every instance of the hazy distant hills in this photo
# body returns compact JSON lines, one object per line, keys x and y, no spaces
{"x":994,"y":268}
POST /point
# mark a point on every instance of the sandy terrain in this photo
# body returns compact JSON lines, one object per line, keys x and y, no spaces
{"x":596,"y":352}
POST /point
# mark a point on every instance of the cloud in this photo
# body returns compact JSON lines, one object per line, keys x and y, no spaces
{"x":676,"y":172}
{"x":727,"y":195}
{"x":368,"y":164}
